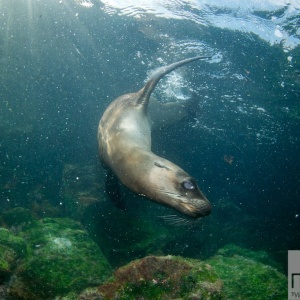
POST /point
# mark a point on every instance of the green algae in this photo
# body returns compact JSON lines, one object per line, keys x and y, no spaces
{"x":57,"y":258}
{"x":201,"y":283}
{"x":11,"y":248}
{"x":247,"y":278}
{"x":258,"y":256}
{"x":169,"y":277}
{"x":7,"y":259}
{"x":18,"y":217}
{"x":62,"y":258}
{"x":149,"y":290}
{"x":16,"y":243}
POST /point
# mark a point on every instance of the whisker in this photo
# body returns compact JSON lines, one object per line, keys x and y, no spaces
{"x":179,"y":221}
{"x":169,"y":217}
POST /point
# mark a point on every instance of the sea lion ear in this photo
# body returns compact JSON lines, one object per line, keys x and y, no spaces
{"x":160,"y":165}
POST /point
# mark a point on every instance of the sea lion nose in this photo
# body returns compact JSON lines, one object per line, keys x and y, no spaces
{"x":205,"y":209}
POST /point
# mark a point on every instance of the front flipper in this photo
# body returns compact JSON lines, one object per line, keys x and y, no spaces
{"x":113,"y":191}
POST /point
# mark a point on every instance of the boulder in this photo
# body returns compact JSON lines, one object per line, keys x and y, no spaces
{"x":163,"y":277}
{"x":245,"y":277}
{"x":62,"y":258}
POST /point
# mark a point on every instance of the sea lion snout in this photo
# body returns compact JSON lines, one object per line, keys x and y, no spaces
{"x":203,"y":209}
{"x":195,"y":208}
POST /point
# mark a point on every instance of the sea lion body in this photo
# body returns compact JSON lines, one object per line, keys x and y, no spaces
{"x":124,"y":137}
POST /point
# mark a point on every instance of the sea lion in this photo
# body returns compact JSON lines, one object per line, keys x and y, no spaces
{"x":124,"y":137}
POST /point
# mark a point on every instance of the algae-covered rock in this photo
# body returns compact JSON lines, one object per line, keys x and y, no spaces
{"x":7,"y":258}
{"x":245,"y":277}
{"x":12,"y":248}
{"x":168,"y":277}
{"x":17,"y":217}
{"x":62,"y":259}
{"x":89,"y":294}
{"x":82,"y":189}
{"x":258,"y":256}
{"x":127,"y":234}
{"x":9,"y":240}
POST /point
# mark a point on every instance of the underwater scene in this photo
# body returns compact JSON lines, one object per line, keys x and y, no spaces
{"x":190,"y":186}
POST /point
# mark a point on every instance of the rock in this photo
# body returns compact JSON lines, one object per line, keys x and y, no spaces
{"x":82,"y":190}
{"x":15,"y":243}
{"x":90,"y":294}
{"x":128,"y":234}
{"x":62,"y":259}
{"x":12,"y":250}
{"x":17,"y":217}
{"x":163,"y":277}
{"x":7,"y":259}
{"x":258,"y":256}
{"x":245,"y":277}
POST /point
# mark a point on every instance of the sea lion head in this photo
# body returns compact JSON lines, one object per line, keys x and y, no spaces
{"x":172,"y":186}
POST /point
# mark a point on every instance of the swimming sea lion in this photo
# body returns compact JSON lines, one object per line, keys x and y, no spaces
{"x":124,"y":137}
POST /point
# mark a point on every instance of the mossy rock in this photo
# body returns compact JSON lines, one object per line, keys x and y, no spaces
{"x":18,"y":216}
{"x":7,"y":259}
{"x":16,"y":243}
{"x":88,"y":294}
{"x":246,"y":278}
{"x":258,"y":256}
{"x":63,"y":258}
{"x":158,"y":278}
{"x":82,"y":189}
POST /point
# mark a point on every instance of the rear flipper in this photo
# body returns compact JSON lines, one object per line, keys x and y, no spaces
{"x":113,"y":190}
{"x":165,"y":114}
{"x":192,"y":106}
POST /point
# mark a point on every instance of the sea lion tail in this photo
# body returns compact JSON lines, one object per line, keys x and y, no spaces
{"x":146,"y":91}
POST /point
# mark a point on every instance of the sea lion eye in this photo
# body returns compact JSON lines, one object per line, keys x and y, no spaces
{"x":188,"y":185}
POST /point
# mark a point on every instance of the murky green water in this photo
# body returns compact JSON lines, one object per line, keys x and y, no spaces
{"x":63,"y":62}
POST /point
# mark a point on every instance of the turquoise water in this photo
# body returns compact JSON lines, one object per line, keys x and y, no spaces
{"x":63,"y":62}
